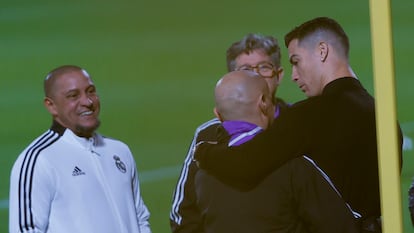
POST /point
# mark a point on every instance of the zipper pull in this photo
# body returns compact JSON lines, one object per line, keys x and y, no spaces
{"x":94,"y":152}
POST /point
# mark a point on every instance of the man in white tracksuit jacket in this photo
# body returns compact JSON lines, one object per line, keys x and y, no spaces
{"x":71,"y":179}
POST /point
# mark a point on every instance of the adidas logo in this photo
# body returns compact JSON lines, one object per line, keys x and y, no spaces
{"x":77,"y":172}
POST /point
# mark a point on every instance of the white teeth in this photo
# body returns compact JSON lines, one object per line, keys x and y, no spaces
{"x":86,"y":113}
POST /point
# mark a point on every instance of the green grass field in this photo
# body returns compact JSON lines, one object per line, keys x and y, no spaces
{"x":155,"y":64}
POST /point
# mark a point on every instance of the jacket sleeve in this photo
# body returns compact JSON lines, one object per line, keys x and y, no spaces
{"x":31,"y":194}
{"x":251,"y":161}
{"x":319,"y":204}
{"x":140,"y":207}
{"x":185,"y":215}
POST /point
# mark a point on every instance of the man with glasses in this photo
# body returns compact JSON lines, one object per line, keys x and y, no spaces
{"x":254,"y":52}
{"x":265,"y":69}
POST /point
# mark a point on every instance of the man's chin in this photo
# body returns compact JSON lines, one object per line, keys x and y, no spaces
{"x":87,"y":131}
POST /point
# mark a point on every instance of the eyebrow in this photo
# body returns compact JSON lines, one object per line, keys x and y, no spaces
{"x":77,"y":89}
{"x":70,"y":91}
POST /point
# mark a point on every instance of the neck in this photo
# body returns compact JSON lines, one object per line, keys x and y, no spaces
{"x":339,"y":69}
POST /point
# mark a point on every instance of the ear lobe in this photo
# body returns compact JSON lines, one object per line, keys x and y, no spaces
{"x":217,"y":114}
{"x":50,"y":106}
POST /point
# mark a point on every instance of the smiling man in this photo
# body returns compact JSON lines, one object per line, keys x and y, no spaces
{"x":72,"y":100}
{"x":72,"y":179}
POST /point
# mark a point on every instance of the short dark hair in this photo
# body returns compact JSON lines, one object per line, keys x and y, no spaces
{"x":320,"y":25}
{"x":251,"y":42}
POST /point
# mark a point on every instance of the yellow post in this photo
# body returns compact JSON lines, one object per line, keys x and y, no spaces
{"x":383,"y":65}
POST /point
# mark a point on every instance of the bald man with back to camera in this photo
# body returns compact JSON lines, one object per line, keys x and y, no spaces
{"x":254,"y":52}
{"x":295,"y":198}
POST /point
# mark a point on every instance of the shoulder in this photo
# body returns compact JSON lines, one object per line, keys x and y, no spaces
{"x":207,"y":130}
{"x":41,"y":144}
{"x":39,"y":151}
{"x":208,"y":124}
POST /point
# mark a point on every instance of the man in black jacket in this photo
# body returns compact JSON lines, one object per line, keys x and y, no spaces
{"x":335,"y":126}
{"x":296,"y":197}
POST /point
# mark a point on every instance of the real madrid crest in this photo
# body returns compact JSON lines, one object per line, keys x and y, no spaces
{"x":119,"y":164}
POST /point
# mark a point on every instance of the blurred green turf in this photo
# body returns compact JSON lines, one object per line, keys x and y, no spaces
{"x":155,"y":64}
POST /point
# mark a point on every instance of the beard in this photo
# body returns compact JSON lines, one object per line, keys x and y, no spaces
{"x":87,"y":132}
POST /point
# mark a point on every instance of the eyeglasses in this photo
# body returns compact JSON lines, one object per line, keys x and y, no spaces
{"x":265,"y":69}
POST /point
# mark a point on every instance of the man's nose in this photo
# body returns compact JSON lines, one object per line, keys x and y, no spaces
{"x":87,"y":100}
{"x":295,"y":75}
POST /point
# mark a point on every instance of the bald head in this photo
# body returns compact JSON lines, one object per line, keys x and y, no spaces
{"x":243,"y":96}
{"x":54,"y":75}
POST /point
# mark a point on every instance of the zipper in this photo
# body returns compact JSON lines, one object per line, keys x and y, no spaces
{"x":101,"y":177}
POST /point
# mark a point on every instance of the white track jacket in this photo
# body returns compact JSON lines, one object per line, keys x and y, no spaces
{"x":64,"y":183}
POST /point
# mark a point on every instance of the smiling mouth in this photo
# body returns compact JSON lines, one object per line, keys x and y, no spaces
{"x":87,"y":113}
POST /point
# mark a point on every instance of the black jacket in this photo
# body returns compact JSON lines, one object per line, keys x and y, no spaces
{"x":337,"y":130}
{"x":295,"y":198}
{"x":185,"y":215}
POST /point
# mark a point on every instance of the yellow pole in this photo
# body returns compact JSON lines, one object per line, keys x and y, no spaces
{"x":383,"y":65}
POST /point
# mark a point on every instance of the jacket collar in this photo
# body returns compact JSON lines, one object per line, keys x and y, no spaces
{"x":88,"y":143}
{"x":340,"y":85}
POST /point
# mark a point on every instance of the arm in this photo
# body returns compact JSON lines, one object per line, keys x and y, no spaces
{"x":320,"y":205}
{"x":255,"y":159}
{"x":140,"y":207}
{"x":185,"y":215}
{"x":30,"y":204}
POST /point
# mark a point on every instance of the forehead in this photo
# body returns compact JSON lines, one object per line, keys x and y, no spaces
{"x":253,"y":58}
{"x":73,"y":80}
{"x":293,"y":45}
{"x":295,"y":49}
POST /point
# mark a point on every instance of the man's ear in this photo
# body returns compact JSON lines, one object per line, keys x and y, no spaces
{"x":323,"y":50}
{"x":50,"y":106}
{"x":217,"y":114}
{"x":263,"y":106}
{"x":279,"y":75}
